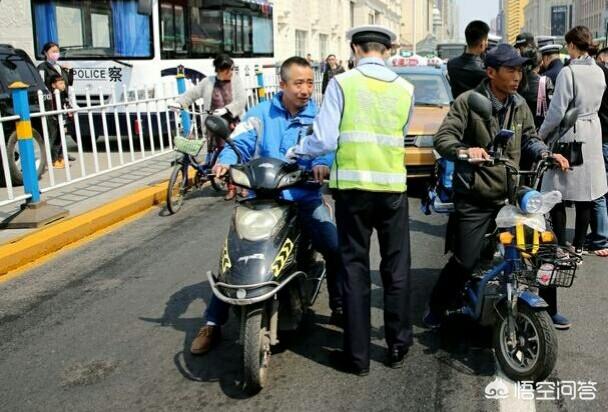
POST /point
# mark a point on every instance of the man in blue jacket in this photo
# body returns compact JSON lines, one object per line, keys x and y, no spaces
{"x":269,"y":130}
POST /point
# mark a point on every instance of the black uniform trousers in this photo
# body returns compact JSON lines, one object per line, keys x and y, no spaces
{"x":358,"y":213}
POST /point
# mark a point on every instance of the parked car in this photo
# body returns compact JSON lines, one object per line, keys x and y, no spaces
{"x":16,"y":65}
{"x":432,"y":102}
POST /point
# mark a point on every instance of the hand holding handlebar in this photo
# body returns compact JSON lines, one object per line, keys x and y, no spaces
{"x":320,"y":173}
{"x":474,"y":155}
{"x":560,"y":161}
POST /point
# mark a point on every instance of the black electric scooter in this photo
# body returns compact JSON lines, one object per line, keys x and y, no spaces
{"x":267,"y":270}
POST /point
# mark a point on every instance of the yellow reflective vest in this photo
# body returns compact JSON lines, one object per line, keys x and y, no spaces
{"x":371,"y":153}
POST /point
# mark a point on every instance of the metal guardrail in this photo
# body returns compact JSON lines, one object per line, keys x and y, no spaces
{"x":138,"y":115}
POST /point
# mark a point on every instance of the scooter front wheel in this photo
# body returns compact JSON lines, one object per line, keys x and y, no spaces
{"x":256,"y":347}
{"x":533,"y":353}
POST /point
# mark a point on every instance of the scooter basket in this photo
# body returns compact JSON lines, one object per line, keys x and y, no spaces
{"x":188,"y":146}
{"x":549,"y":267}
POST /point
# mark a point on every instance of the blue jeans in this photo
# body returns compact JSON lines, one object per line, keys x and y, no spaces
{"x":598,"y":239}
{"x":317,"y":225}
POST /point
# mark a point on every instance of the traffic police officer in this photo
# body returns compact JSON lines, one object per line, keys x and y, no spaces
{"x":364,"y":117}
{"x":552,"y":64}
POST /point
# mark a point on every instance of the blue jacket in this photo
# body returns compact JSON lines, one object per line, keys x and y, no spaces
{"x":269,"y":130}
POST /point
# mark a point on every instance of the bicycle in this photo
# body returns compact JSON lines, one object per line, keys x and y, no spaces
{"x":181,"y":181}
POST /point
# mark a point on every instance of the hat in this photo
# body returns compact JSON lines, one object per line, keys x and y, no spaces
{"x":524,"y":38}
{"x":504,"y":55}
{"x":371,"y":33}
{"x":550,"y":49}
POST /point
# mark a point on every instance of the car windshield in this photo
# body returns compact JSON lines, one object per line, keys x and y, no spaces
{"x":429,"y":89}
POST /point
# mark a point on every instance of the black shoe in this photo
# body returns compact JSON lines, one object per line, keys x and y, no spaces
{"x":337,"y":317}
{"x":339,"y":361}
{"x":395,"y":357}
{"x":71,"y":158}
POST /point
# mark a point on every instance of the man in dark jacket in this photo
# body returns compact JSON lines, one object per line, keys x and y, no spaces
{"x":552,"y":64}
{"x":481,"y":190}
{"x":466,"y":71}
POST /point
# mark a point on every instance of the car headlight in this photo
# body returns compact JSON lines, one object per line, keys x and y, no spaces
{"x":239,"y":178}
{"x":257,"y":225}
{"x":529,"y":201}
{"x":290,"y":178}
{"x":423,"y":141}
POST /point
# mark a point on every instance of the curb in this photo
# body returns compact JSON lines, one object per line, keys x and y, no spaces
{"x":49,"y":239}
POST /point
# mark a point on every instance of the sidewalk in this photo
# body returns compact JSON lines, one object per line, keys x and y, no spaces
{"x":87,"y":195}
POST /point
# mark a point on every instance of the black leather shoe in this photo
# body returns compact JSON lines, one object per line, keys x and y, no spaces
{"x":340,"y":362}
{"x":337,"y":317}
{"x":395,"y":357}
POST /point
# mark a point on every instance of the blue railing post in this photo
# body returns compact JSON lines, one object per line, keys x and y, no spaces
{"x":181,"y":89}
{"x":35,"y":212}
{"x":25,"y":138}
{"x":260,"y":78}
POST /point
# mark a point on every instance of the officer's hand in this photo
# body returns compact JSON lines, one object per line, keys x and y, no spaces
{"x":561,"y":161}
{"x":220,"y":170}
{"x":320,"y":173}
{"x":477,"y":155}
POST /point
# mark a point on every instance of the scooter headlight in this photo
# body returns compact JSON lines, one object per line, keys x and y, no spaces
{"x":530,"y":201}
{"x":257,"y":225}
{"x":239,"y":178}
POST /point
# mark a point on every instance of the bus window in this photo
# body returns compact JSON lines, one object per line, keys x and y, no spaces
{"x":100,"y":29}
{"x":173,"y":28}
{"x":241,"y":28}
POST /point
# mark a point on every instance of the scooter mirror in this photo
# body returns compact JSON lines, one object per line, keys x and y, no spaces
{"x":569,"y":119}
{"x":218,"y":127}
{"x":481,"y":105}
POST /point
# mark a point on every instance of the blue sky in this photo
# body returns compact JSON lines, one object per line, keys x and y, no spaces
{"x":476,"y":10}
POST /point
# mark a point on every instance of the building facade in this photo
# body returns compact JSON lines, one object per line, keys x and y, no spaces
{"x":319,"y":27}
{"x":593,"y":14}
{"x":448,"y":28}
{"x":548,"y":17}
{"x":416,"y":22}
{"x":513,"y":18}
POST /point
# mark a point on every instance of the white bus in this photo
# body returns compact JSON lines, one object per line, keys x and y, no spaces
{"x":140,"y":43}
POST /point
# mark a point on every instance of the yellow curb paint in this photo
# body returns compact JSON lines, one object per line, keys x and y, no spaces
{"x":21,"y":270}
{"x":29,"y":250}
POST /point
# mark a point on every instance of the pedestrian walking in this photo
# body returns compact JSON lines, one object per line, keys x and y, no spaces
{"x":597,"y":240}
{"x":364,"y":117}
{"x":331,"y":70}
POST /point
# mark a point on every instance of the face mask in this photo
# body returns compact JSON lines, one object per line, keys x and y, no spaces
{"x":53,"y":57}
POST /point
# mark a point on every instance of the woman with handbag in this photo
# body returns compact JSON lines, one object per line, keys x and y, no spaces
{"x":580,"y":85}
{"x":582,"y":145}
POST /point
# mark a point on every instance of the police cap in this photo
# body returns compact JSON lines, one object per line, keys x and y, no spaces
{"x":371,"y":33}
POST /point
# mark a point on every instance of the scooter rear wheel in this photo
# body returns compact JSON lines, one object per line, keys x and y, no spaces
{"x":532,"y":357}
{"x":256,"y":348}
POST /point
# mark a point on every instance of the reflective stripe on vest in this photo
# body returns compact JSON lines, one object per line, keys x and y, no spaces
{"x":371,"y":153}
